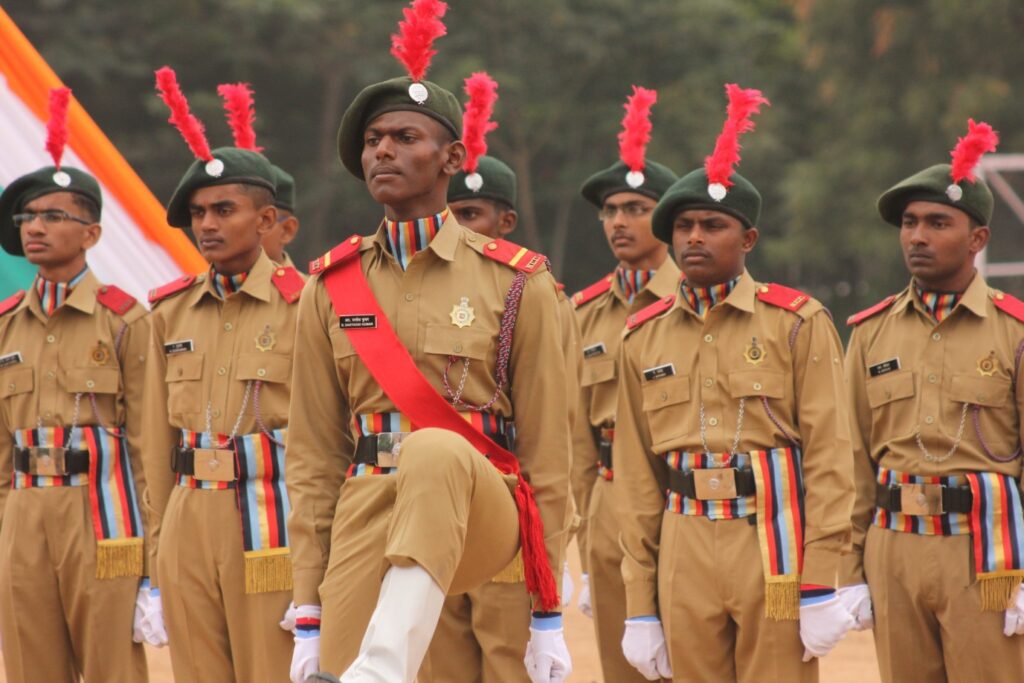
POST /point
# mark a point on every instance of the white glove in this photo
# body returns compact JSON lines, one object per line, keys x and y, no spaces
{"x":567,"y":585}
{"x":823,"y":623}
{"x":1014,"y":624}
{"x":643,"y":645}
{"x":547,"y":657}
{"x":584,"y":600}
{"x":148,"y":624}
{"x":306,"y":655}
{"x":288,"y":622}
{"x":857,"y":601}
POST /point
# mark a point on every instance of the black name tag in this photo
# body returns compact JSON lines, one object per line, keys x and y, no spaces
{"x":350,"y":322}
{"x":886,"y":366}
{"x":594,"y":350}
{"x":659,"y":371}
{"x":178,"y":346}
{"x":10,"y":359}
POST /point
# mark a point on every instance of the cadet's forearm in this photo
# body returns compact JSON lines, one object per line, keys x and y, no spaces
{"x":132,"y":356}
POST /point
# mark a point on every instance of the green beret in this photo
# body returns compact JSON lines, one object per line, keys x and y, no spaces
{"x":393,"y":95}
{"x":45,"y":181}
{"x":236,"y":166}
{"x":499,"y":183}
{"x":598,"y":187}
{"x":285,"y":197}
{"x":742,"y":201}
{"x":934,"y":185}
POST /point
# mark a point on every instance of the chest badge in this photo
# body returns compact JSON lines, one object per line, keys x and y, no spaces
{"x":462,"y":313}
{"x":266,"y":339}
{"x":100,"y":354}
{"x":987,"y":365}
{"x":754,"y":353}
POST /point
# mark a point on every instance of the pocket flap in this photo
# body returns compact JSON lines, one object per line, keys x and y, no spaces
{"x":982,"y":391}
{"x":890,"y":387}
{"x":666,"y":392}
{"x":264,"y":366}
{"x":182,"y":367}
{"x":597,"y":371}
{"x":16,"y":381}
{"x":93,"y":380}
{"x":465,"y":342}
{"x":757,"y":382}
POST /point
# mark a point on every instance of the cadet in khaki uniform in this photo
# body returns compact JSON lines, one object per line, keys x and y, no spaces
{"x":731,"y":400}
{"x":277,"y":239}
{"x":645,"y":274}
{"x":382,"y":534}
{"x":933,"y":375}
{"x":72,"y":356}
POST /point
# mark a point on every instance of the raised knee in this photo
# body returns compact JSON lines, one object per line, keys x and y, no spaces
{"x":435,"y":450}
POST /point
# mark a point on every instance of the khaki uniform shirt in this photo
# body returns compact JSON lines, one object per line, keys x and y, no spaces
{"x":940,"y":368}
{"x":800,"y":374}
{"x":58,"y":362}
{"x":418,"y":303}
{"x":224,"y":355}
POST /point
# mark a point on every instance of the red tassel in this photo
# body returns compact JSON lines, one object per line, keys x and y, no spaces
{"x":189,"y":126}
{"x":57,"y":126}
{"x":969,"y":149}
{"x":412,"y":45}
{"x":540,"y":580}
{"x":743,"y":104}
{"x":476,"y":124}
{"x":636,"y":127}
{"x":241,"y":114}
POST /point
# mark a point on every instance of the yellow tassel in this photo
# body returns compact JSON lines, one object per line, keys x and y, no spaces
{"x":782,"y":599}
{"x":119,"y":557}
{"x":267,"y":571}
{"x":514,"y":572}
{"x":997,"y":591}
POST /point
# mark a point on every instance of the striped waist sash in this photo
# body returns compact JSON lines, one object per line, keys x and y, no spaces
{"x":113,"y":501}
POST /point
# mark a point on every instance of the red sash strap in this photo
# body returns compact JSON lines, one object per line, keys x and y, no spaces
{"x":387,"y":359}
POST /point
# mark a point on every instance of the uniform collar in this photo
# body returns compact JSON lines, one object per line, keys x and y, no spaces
{"x":662,"y":283}
{"x":974,"y":299}
{"x":82,"y":297}
{"x":443,"y":245}
{"x":741,"y":297}
{"x":256,"y":285}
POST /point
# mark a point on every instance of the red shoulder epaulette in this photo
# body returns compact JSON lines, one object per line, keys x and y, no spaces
{"x":782,"y":296}
{"x":593,"y":291}
{"x":172,"y":287}
{"x":10,"y":302}
{"x":288,"y":282}
{"x":336,"y":255}
{"x":512,"y":254}
{"x":650,"y":311}
{"x":858,"y":318}
{"x":1009,"y":304}
{"x":115,"y":298}
{"x":560,"y":286}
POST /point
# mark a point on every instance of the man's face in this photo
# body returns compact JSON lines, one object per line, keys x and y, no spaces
{"x":59,"y":233}
{"x":711,"y":246}
{"x":227,"y":224}
{"x":626,"y":217}
{"x":938,"y":242}
{"x":405,"y":156}
{"x":280,"y":235}
{"x":486,"y":217}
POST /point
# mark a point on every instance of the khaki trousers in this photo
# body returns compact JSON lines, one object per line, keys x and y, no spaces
{"x":216,"y":631}
{"x":57,"y":619}
{"x":481,"y":637}
{"x":929,"y":626}
{"x":447,"y":509}
{"x":711,"y":598}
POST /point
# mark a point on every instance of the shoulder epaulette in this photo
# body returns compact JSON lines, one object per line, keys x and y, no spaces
{"x":172,"y":287}
{"x":288,"y":282}
{"x":513,"y":255}
{"x":650,"y":311}
{"x":858,"y":318}
{"x":115,"y":298}
{"x":336,"y":255}
{"x":8,"y":304}
{"x":1009,"y":304}
{"x":560,"y":286}
{"x":593,"y":291}
{"x":782,"y":296}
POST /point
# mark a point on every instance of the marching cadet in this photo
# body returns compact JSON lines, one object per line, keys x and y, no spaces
{"x":419,"y":345}
{"x":625,"y":195}
{"x":218,"y":383}
{"x":277,"y":239}
{"x":72,"y":355}
{"x":933,"y":375}
{"x":731,"y":400}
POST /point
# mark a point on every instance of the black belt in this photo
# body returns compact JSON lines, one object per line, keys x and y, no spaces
{"x":604,"y":454}
{"x":957,"y":499}
{"x":76,"y":461}
{"x":367,"y":447}
{"x":684,"y":484}
{"x":183,"y":461}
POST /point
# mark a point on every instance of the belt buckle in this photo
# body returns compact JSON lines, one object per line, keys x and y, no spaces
{"x":921,"y":499}
{"x":389,"y":446}
{"x":48,"y":461}
{"x":715,"y":483}
{"x":213,"y":464}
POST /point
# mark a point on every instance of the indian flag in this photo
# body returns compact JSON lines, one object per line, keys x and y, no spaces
{"x":138,"y":250}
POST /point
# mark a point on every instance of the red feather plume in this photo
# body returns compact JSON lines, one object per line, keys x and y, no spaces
{"x":743,"y":104}
{"x":969,"y":149}
{"x":412,"y":45}
{"x":476,"y":124}
{"x":241,"y":114}
{"x":636,"y":127}
{"x":188,"y":125}
{"x":57,"y":126}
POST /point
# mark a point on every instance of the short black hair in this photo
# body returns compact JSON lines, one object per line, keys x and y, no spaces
{"x":502,"y":205}
{"x":261,"y":196}
{"x":88,"y":205}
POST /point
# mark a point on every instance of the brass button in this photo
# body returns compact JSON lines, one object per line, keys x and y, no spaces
{"x":47,"y":414}
{"x":757,"y":386}
{"x":51,"y":374}
{"x":354,"y":239}
{"x":981,"y":397}
{"x":936,"y":336}
{"x":180,"y":372}
{"x":471,"y":239}
{"x":228,"y":326}
{"x":457,"y":348}
{"x":261,"y":373}
{"x":11,"y":386}
{"x":713,"y":421}
{"x":708,"y":338}
{"x":222,"y":371}
{"x":50,"y":338}
{"x":410,"y":297}
{"x":492,"y":246}
{"x":280,"y":272}
{"x":708,"y":382}
{"x":763,"y":289}
{"x":663,"y":396}
{"x":90,"y":384}
{"x":933,"y":378}
{"x":888,"y":393}
{"x":216,"y":412}
{"x":929,"y":419}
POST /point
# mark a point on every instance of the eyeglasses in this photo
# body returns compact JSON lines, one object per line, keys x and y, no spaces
{"x":631,"y":209}
{"x":50,"y":217}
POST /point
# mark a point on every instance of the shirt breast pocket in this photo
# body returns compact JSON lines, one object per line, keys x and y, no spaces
{"x":665,"y":405}
{"x":893,"y":408}
{"x":464,"y":344}
{"x":274,"y":372}
{"x":988,"y":395}
{"x":16,"y":387}
{"x":104,"y":383}
{"x":184,"y":383}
